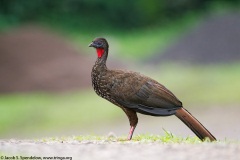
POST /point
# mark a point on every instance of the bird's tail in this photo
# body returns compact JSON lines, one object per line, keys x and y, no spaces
{"x":194,"y":124}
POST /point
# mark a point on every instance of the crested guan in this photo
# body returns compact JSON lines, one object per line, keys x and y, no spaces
{"x":134,"y":92}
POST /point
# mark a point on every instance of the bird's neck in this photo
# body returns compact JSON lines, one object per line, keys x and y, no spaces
{"x":102,"y":58}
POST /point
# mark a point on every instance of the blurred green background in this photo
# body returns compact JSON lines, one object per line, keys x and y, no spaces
{"x":45,"y":61}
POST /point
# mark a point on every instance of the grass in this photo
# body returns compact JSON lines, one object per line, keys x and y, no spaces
{"x":26,"y":114}
{"x":142,"y":138}
{"x":167,"y":138}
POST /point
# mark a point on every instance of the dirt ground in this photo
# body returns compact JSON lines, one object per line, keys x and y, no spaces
{"x":108,"y":150}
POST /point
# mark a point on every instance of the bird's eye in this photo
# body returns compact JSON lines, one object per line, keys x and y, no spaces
{"x":99,"y":43}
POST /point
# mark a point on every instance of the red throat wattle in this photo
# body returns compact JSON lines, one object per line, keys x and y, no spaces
{"x":100,"y":52}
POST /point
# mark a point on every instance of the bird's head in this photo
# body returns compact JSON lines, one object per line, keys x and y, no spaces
{"x":101,"y":46}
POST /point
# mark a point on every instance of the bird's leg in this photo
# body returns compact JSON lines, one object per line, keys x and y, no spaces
{"x":133,"y":120}
{"x":131,"y":132}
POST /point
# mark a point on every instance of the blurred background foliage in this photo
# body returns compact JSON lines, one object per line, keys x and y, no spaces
{"x":123,"y":15}
{"x":133,"y":29}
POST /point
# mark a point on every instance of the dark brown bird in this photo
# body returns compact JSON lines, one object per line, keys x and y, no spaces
{"x":134,"y":92}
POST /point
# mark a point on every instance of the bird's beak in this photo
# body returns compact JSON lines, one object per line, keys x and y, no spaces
{"x":91,"y":45}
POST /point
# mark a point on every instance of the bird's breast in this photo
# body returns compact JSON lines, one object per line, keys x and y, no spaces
{"x":100,"y":85}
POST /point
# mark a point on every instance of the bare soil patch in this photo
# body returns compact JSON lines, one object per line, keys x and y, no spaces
{"x":215,"y":40}
{"x":33,"y":58}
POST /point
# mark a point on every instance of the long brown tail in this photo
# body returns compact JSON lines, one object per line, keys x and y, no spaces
{"x":194,"y":124}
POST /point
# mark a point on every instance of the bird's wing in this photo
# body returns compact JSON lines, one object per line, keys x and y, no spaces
{"x":143,"y":94}
{"x":156,"y":95}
